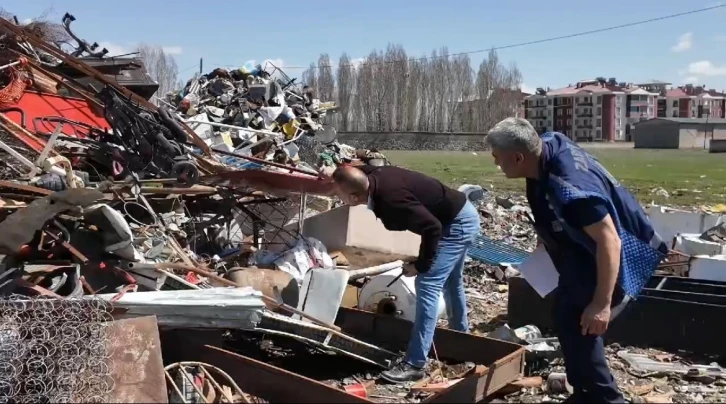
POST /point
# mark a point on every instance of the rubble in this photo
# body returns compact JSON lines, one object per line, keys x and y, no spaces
{"x":191,"y":211}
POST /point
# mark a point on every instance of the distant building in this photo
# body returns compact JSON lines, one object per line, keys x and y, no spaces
{"x":607,"y":110}
{"x":693,"y":102}
{"x":678,"y":133}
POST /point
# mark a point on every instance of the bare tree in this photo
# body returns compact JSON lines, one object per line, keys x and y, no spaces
{"x":494,"y":85}
{"x":42,"y":26}
{"x":389,"y":91}
{"x":345,"y":86}
{"x":310,"y":78}
{"x":326,"y":83}
{"x":161,"y":67}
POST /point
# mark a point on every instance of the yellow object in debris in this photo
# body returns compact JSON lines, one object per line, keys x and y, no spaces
{"x":719,"y":208}
{"x":290,"y":128}
{"x":227,"y":139}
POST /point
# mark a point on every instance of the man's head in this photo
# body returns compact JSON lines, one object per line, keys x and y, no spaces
{"x":516,"y":147}
{"x":351,"y":185}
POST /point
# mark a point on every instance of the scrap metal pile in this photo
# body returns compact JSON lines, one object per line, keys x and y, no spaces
{"x":190,"y":211}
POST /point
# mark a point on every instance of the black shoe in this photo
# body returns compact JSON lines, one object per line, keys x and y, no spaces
{"x":402,"y":373}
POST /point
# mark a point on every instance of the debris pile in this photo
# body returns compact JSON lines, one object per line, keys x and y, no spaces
{"x":180,"y":215}
{"x":198,"y":225}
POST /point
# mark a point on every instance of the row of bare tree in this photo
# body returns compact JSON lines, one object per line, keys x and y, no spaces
{"x":161,"y":67}
{"x":393,"y":92}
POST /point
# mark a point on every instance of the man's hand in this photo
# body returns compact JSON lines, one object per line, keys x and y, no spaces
{"x":409,"y":270}
{"x":595,"y":318}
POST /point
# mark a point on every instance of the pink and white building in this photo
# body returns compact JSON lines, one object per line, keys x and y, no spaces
{"x":606,"y":110}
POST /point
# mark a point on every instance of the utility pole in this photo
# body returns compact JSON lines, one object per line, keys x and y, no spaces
{"x":201,"y":66}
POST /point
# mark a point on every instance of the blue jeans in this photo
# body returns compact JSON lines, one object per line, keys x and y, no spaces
{"x":447,"y":274}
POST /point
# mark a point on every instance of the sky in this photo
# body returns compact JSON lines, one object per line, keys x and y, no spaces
{"x":225,"y":33}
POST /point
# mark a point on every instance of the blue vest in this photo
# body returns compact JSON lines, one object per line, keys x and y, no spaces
{"x":568,"y":173}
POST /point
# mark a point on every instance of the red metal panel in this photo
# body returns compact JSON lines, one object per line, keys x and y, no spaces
{"x":36,"y":105}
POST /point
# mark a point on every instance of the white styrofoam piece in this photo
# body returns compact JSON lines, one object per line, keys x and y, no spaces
{"x":322,"y":293}
{"x":692,"y":244}
{"x":708,"y":268}
{"x":404,"y":290}
{"x":669,"y":222}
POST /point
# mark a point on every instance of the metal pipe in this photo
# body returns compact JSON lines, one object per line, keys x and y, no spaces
{"x":3,"y":67}
{"x":17,"y":155}
{"x":376,"y":270}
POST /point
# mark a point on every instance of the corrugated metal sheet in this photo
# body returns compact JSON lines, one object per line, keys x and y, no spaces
{"x":495,"y":252}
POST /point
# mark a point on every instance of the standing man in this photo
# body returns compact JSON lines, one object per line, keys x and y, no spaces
{"x":598,"y":236}
{"x":447,"y":223}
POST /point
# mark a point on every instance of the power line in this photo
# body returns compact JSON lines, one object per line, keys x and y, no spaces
{"x":539,"y":41}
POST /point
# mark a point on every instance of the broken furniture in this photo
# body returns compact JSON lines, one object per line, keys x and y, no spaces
{"x":678,"y":314}
{"x":498,"y":362}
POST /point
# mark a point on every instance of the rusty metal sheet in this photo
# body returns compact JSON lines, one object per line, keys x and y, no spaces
{"x":253,"y":377}
{"x":498,"y":362}
{"x":271,"y":181}
{"x":136,"y":364}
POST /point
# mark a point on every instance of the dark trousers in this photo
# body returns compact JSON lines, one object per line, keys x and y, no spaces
{"x":585,"y":362}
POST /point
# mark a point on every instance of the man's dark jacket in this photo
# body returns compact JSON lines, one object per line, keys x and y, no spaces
{"x":407,"y":200}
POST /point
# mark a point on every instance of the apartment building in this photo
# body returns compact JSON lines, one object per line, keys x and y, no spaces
{"x":607,"y":110}
{"x":692,"y":102}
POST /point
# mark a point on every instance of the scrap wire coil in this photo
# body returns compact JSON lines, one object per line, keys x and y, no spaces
{"x":54,"y":350}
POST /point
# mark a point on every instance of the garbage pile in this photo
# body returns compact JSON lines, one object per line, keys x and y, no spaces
{"x":134,"y":220}
{"x":260,"y":111}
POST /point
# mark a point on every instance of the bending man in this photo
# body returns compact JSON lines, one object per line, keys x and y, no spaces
{"x":598,"y":236}
{"x":447,"y":223}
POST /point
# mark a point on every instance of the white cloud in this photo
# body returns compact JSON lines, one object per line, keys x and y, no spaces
{"x":685,"y":42}
{"x":690,"y":80}
{"x":26,"y":21}
{"x":115,"y":49}
{"x":706,"y":68}
{"x":173,"y":50}
{"x":357,"y":62}
{"x":527,"y":89}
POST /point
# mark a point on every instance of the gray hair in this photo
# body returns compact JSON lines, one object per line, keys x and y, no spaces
{"x":514,"y":134}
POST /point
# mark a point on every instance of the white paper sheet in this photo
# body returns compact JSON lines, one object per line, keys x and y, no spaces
{"x":539,"y":271}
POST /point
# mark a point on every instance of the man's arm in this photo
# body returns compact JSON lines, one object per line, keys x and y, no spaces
{"x":607,"y":257}
{"x":423,"y":223}
{"x":592,"y":216}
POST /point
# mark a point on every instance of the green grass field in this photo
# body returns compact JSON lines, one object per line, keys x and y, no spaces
{"x":691,"y":177}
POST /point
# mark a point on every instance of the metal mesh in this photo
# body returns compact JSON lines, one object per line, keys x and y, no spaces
{"x":54,"y":350}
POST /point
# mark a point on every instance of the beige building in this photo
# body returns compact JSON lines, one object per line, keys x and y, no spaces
{"x":678,"y":133}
